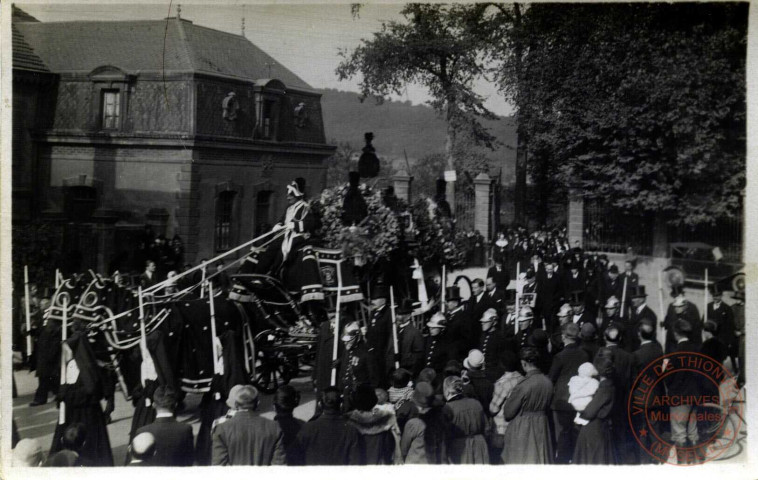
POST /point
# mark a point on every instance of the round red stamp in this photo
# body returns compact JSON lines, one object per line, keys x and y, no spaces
{"x":685,"y":408}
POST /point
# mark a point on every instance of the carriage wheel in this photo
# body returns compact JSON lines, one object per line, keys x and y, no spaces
{"x":274,"y":366}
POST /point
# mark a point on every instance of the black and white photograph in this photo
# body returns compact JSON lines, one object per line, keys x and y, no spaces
{"x":376,"y":234}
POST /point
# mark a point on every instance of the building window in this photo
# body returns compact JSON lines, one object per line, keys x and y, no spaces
{"x":224,"y":207}
{"x":111,"y":109}
{"x":263,"y":212}
{"x":269,"y":119}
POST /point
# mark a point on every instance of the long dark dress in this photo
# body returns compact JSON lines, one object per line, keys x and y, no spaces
{"x":527,"y":437}
{"x":594,"y":446}
{"x":82,"y":404}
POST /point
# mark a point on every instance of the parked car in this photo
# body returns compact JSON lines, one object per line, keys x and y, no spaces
{"x":694,"y":258}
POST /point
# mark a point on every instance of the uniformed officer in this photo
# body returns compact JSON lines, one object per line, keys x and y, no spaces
{"x":378,"y":335}
{"x":610,"y":315}
{"x":438,"y":346}
{"x":491,"y":343}
{"x":354,"y":361}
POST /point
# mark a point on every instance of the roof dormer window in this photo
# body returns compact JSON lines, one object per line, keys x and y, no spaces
{"x":111,"y":110}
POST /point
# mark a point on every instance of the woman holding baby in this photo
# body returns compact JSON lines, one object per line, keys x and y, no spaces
{"x":593,"y":400}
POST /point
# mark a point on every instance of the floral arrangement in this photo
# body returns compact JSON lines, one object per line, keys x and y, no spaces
{"x":373,"y":239}
{"x":438,"y":241}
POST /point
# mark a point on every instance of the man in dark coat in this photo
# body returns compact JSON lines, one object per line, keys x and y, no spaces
{"x":582,"y":314}
{"x":410,"y":344}
{"x":573,"y":278}
{"x":623,"y":366}
{"x":476,"y":305}
{"x":548,"y":293}
{"x":565,"y":365}
{"x":173,"y":440}
{"x":611,"y":311}
{"x":354,"y":362}
{"x":439,"y":347}
{"x":680,"y":384}
{"x":149,"y":277}
{"x":285,"y":401}
{"x":247,"y":438}
{"x":329,"y":439}
{"x":722,"y":315}
{"x":682,"y":309}
{"x":378,"y":336}
{"x":495,"y":296}
{"x":492,"y":343}
{"x":648,"y":352}
{"x":48,"y":358}
{"x":322,"y":372}
{"x":498,"y":273}
{"x":459,"y":323}
{"x":610,"y":285}
{"x":631,"y":280}
{"x":638,"y":313}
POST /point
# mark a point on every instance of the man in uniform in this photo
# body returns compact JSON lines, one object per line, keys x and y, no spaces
{"x":378,"y":335}
{"x":509,"y":317}
{"x":681,"y":308}
{"x":410,"y":343}
{"x":639,"y":312}
{"x":492,"y":342}
{"x":564,"y":316}
{"x":722,"y":314}
{"x":610,"y":315}
{"x":353,"y":365}
{"x":439,"y":347}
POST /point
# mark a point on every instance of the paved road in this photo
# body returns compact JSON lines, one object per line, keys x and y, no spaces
{"x":39,"y":422}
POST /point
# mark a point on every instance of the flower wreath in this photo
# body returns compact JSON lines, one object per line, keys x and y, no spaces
{"x":438,"y":241}
{"x":374,"y":239}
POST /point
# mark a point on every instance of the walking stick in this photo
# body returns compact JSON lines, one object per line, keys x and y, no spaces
{"x":660,"y":304}
{"x":218,"y":368}
{"x":518,"y":298}
{"x":394,"y":327}
{"x":336,"y":328}
{"x":623,"y":297}
{"x":62,"y":410}
{"x":444,"y":286}
{"x":28,"y":314}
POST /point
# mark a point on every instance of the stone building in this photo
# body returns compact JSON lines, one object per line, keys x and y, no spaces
{"x":166,"y":123}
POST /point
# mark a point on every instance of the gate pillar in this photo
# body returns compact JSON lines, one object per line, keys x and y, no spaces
{"x":402,"y":183}
{"x":575,"y":220}
{"x":482,"y":187}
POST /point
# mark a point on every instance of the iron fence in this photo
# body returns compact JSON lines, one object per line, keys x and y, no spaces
{"x":465,"y":206}
{"x":726,"y":234}
{"x":609,"y":230}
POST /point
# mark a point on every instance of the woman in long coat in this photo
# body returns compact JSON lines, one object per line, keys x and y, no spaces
{"x":527,"y":437}
{"x":593,"y":446}
{"x":468,"y":422}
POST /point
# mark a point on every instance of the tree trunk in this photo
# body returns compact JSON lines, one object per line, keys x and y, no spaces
{"x":519,"y":202}
{"x":449,"y":149}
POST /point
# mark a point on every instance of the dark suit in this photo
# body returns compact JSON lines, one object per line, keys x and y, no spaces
{"x":331,"y":440}
{"x":724,"y":318}
{"x":247,"y":439}
{"x":460,"y":325}
{"x":549,"y":293}
{"x":492,"y":344}
{"x":609,"y":288}
{"x":500,"y":277}
{"x":629,"y":339}
{"x":410,"y":345}
{"x":586,"y":317}
{"x":623,"y":438}
{"x":496,"y":300}
{"x":692,"y":316}
{"x":146,"y":282}
{"x":378,"y":338}
{"x":565,"y":365}
{"x":573,"y":284}
{"x":438,"y":350}
{"x":173,"y":442}
{"x":475,"y":309}
{"x":353,"y":369}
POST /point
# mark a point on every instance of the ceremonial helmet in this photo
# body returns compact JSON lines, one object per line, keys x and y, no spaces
{"x":525,"y":314}
{"x":612,"y":302}
{"x":437,"y":321}
{"x":565,"y":310}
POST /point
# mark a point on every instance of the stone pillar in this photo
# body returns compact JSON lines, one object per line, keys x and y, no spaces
{"x":660,"y":237}
{"x":450,"y":196}
{"x":402,"y":183}
{"x":575,"y":218}
{"x":482,"y":186}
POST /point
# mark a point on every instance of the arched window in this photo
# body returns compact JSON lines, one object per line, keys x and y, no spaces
{"x":224,"y":210}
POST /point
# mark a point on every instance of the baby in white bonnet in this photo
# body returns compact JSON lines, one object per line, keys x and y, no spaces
{"x":581,"y":389}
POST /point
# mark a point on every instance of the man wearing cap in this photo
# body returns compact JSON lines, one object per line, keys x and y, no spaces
{"x":565,"y":365}
{"x":173,"y":440}
{"x":247,"y":438}
{"x":623,"y":367}
{"x":683,"y":309}
{"x":680,"y":385}
{"x":648,"y":352}
{"x":410,"y":343}
{"x":354,"y":362}
{"x":639,"y":312}
{"x":439,"y":347}
{"x":378,"y":335}
{"x":492,"y":342}
{"x":722,"y":314}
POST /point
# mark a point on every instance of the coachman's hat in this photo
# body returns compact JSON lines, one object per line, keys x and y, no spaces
{"x":638,"y":291}
{"x":452,"y":293}
{"x":576,"y":298}
{"x":380,"y":290}
{"x":405,"y":307}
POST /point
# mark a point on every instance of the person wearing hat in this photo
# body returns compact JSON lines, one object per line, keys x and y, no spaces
{"x":565,"y":365}
{"x":247,"y":438}
{"x":286,"y":399}
{"x":478,"y":386}
{"x":290,"y":256}
{"x":424,"y":436}
{"x":623,"y":367}
{"x":378,"y":335}
{"x":527,"y":438}
{"x":439,"y":346}
{"x":498,"y":273}
{"x":538,"y":340}
{"x":509,"y":317}
{"x":492,"y":342}
{"x":638,"y":312}
{"x":582,"y":314}
{"x":468,"y":422}
{"x":173,"y":440}
{"x":573,"y":277}
{"x":459,"y":322}
{"x":410,"y":343}
{"x":564,"y":316}
{"x":721,"y":313}
{"x":330,"y":439}
{"x":648,"y":352}
{"x":679,"y":384}
{"x":588,"y":339}
{"x":354,"y":362}
{"x":27,"y":453}
{"x":549,"y":294}
{"x":683,"y":309}
{"x":611,"y":311}
{"x":632,"y":280}
{"x":610,"y":285}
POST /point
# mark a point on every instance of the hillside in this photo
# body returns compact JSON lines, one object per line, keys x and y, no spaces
{"x":399,"y":126}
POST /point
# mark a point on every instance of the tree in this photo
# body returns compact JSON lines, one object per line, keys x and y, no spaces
{"x":641,"y":105}
{"x":434,"y":47}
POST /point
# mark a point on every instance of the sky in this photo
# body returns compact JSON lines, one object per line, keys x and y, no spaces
{"x":305,"y":38}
